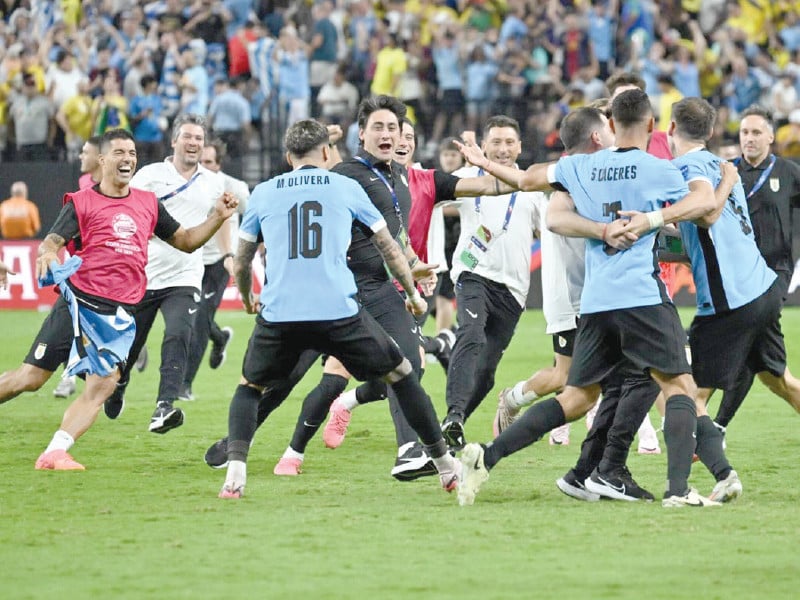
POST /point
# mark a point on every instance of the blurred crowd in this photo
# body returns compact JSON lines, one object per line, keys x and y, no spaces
{"x":70,"y":69}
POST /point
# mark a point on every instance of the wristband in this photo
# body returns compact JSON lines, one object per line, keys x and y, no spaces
{"x":655,"y":218}
{"x":227,"y":255}
{"x":413,"y":262}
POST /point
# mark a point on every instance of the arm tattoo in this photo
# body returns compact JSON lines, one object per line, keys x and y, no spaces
{"x":394,"y":258}
{"x":242,"y":271}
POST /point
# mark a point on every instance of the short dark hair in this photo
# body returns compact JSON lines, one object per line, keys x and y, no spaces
{"x":501,"y":121}
{"x":305,"y":136}
{"x":147,"y":80}
{"x":114,"y":134}
{"x":220,"y":149}
{"x":694,"y":118}
{"x":620,"y":79}
{"x":410,"y":123}
{"x":758,"y":111}
{"x":376,"y":103}
{"x":631,"y":107}
{"x":191,"y":119}
{"x":578,"y":126}
{"x":448,"y":143}
{"x":95,"y":141}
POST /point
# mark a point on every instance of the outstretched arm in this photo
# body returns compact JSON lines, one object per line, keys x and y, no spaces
{"x":533,"y":179}
{"x":189,"y":240}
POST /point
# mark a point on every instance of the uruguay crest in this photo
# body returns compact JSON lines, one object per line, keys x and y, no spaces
{"x":774,"y":184}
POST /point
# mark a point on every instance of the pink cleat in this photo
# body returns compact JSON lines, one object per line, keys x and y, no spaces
{"x":231,"y":491}
{"x":449,"y":478}
{"x":336,"y":427}
{"x":58,"y":460}
{"x":288,"y":466}
{"x":560,"y":436}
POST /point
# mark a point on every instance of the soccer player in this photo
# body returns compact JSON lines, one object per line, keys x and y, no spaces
{"x":115,"y":222}
{"x":304,"y":219}
{"x":739,"y":298}
{"x":622,"y":293}
{"x":91,"y":170}
{"x":188,"y":190}
{"x":218,"y":269}
{"x":772,"y":190}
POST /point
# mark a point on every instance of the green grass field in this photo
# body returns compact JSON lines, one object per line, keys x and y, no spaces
{"x":144,"y":520}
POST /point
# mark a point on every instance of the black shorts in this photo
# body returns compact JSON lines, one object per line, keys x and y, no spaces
{"x":564,"y":342}
{"x":361,"y":345}
{"x":53,"y":343}
{"x":747,"y":337}
{"x":650,"y":337}
{"x":452,"y":102}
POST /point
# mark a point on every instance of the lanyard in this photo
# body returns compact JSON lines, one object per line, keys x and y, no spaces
{"x":389,"y":187}
{"x":764,"y":174}
{"x":509,"y":210}
{"x":179,"y":189}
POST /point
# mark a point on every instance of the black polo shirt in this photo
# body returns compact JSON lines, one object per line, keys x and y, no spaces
{"x":363,"y":258}
{"x":771,"y":208}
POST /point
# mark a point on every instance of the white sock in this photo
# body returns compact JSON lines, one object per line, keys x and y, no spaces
{"x":291,"y":453}
{"x":72,"y":378}
{"x":237,"y":472}
{"x":348,"y":399}
{"x":517,"y":398}
{"x":61,"y":441}
{"x":445,"y":463}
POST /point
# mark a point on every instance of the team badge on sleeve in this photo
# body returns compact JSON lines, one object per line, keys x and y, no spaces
{"x":39,"y":352}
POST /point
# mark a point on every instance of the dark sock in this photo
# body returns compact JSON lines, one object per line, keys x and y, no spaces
{"x":315,"y":408}
{"x":732,"y":399}
{"x":709,"y":448}
{"x":680,"y":427}
{"x":242,"y":417}
{"x":418,"y":409}
{"x":371,"y":391}
{"x":530,"y":427}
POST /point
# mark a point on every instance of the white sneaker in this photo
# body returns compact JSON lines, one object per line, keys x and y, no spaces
{"x":691,"y":498}
{"x":560,"y":436}
{"x":473,"y":474}
{"x":65,"y":388}
{"x":728,"y":489}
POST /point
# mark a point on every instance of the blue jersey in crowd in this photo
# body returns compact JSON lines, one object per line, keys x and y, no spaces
{"x":727,"y":266}
{"x":601,"y":184}
{"x":305,"y":218}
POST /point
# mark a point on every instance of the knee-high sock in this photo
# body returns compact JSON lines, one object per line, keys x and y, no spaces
{"x":680,"y":429}
{"x":418,"y":409}
{"x":315,"y":407}
{"x":371,"y":391}
{"x":242,"y":424}
{"x":732,"y":399}
{"x":530,"y":427}
{"x":709,"y":448}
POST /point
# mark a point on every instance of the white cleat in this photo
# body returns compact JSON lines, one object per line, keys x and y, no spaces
{"x":691,"y":498}
{"x":473,"y":474}
{"x":728,"y":489}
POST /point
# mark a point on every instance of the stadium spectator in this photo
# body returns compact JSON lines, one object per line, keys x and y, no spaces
{"x":290,"y":59}
{"x":193,"y":82}
{"x":480,"y":73}
{"x":338,"y":100}
{"x":110,"y":107}
{"x":229,"y":116}
{"x":19,"y":216}
{"x":449,"y":74}
{"x":324,"y":49}
{"x":31,"y":119}
{"x":148,"y":121}
{"x":787,"y":137}
{"x":390,"y":65}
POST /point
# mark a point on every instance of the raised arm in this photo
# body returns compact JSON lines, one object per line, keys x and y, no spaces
{"x":532,"y":179}
{"x":189,"y":240}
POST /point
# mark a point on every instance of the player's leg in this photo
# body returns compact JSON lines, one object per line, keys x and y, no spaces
{"x":733,"y":398}
{"x":50,"y":348}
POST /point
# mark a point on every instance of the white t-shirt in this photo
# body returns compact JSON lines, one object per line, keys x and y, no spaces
{"x":168,"y":266}
{"x":562,"y":274}
{"x":63,"y":83}
{"x":211,"y":251}
{"x":508,"y":259}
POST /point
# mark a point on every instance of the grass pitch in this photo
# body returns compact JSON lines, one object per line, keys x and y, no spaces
{"x":143,"y":521}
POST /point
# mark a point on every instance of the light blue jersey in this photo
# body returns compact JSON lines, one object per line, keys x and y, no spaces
{"x":727,"y":266}
{"x":602,"y":184}
{"x":305,"y":218}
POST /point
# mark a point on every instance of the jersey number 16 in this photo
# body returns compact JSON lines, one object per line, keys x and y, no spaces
{"x":305,"y":236}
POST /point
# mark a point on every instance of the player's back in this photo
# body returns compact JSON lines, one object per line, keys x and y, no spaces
{"x":305,"y":218}
{"x":602,"y":184}
{"x":727,"y":266}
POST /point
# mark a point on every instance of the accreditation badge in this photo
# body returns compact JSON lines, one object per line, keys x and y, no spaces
{"x":477,"y":247}
{"x":774,"y":184}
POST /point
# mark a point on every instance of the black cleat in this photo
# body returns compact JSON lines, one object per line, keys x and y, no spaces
{"x":217,"y":354}
{"x":165,"y":417}
{"x":453,"y":431}
{"x":413,"y":463}
{"x":217,"y":454}
{"x":618,"y":485}
{"x":572,"y":486}
{"x":115,"y":403}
